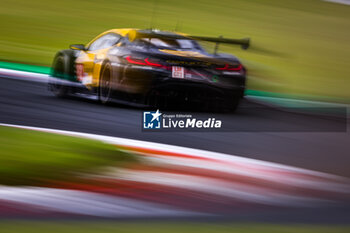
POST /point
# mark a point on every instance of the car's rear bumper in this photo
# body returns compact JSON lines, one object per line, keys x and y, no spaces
{"x":181,"y":92}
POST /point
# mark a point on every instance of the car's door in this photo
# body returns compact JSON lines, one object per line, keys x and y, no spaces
{"x":88,"y":62}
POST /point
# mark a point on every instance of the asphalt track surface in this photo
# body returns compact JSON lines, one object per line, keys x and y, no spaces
{"x":256,"y":132}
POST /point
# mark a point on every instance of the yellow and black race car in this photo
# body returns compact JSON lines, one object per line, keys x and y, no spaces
{"x":151,"y":68}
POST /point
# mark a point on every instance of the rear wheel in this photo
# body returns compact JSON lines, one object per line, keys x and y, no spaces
{"x":62,"y":69}
{"x":105,"y":87}
{"x":58,"y":73}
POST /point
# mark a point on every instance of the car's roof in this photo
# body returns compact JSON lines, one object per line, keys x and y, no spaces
{"x":126,"y":31}
{"x":120,"y":31}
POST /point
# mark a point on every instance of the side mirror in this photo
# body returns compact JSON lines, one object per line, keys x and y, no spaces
{"x":77,"y":47}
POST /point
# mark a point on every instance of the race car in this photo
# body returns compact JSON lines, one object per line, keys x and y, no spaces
{"x":153,"y":68}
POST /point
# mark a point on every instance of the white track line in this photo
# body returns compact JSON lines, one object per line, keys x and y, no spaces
{"x":30,"y":76}
{"x":87,"y":203}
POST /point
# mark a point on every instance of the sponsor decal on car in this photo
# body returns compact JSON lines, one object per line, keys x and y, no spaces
{"x":82,"y":77}
{"x":79,"y":70}
{"x":178,"y":72}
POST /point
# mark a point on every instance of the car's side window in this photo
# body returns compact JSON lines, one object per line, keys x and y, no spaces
{"x":105,"y":41}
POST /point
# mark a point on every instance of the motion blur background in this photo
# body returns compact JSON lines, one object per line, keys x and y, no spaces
{"x":299,"y":48}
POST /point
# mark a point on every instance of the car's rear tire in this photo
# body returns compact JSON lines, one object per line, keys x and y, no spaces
{"x":55,"y":84}
{"x":105,"y":85}
{"x":62,"y":69}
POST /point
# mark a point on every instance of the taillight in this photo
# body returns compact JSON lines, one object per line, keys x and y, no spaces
{"x":152,"y":63}
{"x":143,"y":62}
{"x":230,"y":68}
{"x":135,"y":61}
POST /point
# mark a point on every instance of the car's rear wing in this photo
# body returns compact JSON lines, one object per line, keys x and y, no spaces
{"x":136,"y":34}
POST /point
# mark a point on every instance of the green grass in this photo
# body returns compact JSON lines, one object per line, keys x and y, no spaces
{"x":306,"y":41}
{"x":35,"y":158}
{"x":181,"y":227}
